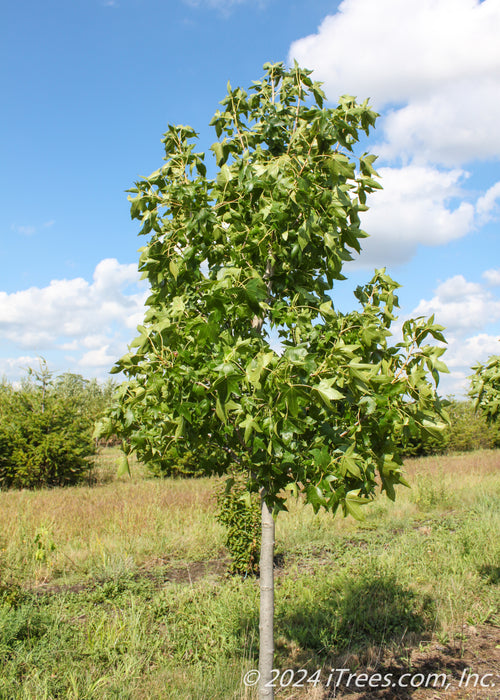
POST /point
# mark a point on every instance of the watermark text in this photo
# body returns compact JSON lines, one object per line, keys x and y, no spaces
{"x":336,"y":677}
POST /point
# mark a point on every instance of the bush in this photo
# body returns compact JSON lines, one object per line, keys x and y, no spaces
{"x":174,"y":462}
{"x":468,"y":431}
{"x":45,"y":435}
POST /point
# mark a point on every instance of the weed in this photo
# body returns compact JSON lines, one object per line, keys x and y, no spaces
{"x":240,"y":513}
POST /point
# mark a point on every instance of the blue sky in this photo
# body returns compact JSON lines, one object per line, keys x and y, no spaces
{"x":89,"y":86}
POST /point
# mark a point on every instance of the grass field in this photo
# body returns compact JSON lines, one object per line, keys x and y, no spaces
{"x":120,"y":589}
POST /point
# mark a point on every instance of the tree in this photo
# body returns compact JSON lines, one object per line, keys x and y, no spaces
{"x":485,"y":388}
{"x":45,"y":439}
{"x":242,"y":353}
{"x":87,"y":396}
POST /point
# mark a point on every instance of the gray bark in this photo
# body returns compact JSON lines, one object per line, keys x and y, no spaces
{"x":266,"y":632}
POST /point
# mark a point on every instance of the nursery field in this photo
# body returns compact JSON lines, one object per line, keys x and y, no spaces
{"x":120,"y":589}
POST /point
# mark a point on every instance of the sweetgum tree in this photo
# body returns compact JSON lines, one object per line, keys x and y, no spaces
{"x":242,"y":355}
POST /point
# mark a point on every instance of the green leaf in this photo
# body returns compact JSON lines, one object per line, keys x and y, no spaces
{"x":103,"y":428}
{"x":326,"y":309}
{"x":220,"y":411}
{"x":370,"y":404}
{"x":178,"y":306}
{"x":123,"y":465}
{"x":250,"y":426}
{"x":201,"y":168}
{"x":174,"y":269}
{"x":293,"y":488}
{"x":255,"y":290}
{"x":219,"y":153}
{"x":354,"y":504}
{"x":179,"y":431}
{"x":350,"y":465}
{"x":435,"y":427}
{"x":246,"y":499}
{"x":321,"y":457}
{"x":327,"y":392}
{"x":224,"y":176}
{"x":314,"y":496}
{"x":441,"y":366}
{"x":296,"y":355}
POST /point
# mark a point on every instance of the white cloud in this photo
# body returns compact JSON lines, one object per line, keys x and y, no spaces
{"x":460,"y":356}
{"x":462,"y":307}
{"x":70,"y":347}
{"x":101,"y":357}
{"x":467,"y":310}
{"x":414,"y":208}
{"x":435,"y":62}
{"x":492,"y":277}
{"x":446,"y":128}
{"x":403,"y":49}
{"x":30,"y":230}
{"x":15,"y":366}
{"x":487,"y":204}
{"x":77,"y":316}
{"x":24,"y":230}
{"x":434,"y":67}
{"x":467,"y":352}
{"x":110,"y":277}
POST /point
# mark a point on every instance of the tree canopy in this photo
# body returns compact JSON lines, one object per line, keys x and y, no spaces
{"x":243,"y":355}
{"x":243,"y":358}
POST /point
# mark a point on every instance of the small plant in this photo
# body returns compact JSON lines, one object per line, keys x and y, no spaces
{"x":12,"y":593}
{"x":44,"y":544}
{"x":429,"y":495}
{"x":240,"y":513}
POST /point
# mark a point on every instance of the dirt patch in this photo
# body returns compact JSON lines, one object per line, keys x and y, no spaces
{"x":469,"y":669}
{"x":189,"y":572}
{"x":157,"y":570}
{"x":55,"y":589}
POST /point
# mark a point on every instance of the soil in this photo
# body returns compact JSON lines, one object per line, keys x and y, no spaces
{"x":467,"y":669}
{"x":158,"y":570}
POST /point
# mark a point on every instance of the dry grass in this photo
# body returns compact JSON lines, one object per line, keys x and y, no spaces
{"x":63,"y":533}
{"x":59,"y":533}
{"x":440,"y":483}
{"x":456,"y":473}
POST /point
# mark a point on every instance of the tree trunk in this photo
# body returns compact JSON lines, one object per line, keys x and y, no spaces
{"x":266,"y":632}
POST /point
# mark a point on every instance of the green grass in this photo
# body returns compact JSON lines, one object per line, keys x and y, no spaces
{"x":103,"y":593}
